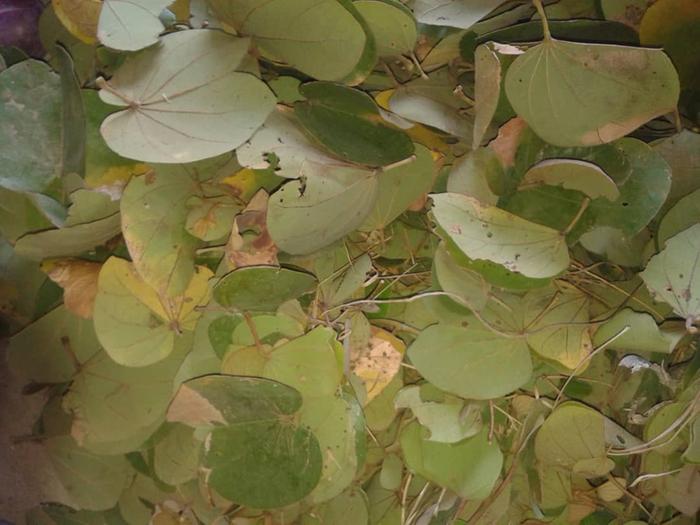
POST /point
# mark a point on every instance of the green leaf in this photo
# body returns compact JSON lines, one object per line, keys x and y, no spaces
{"x":671,"y":275}
{"x":467,"y":361}
{"x":308,"y":363}
{"x":432,"y":101}
{"x":263,"y":464}
{"x":93,"y":482}
{"x":556,"y":324}
{"x":258,"y":453}
{"x":684,"y":214}
{"x":392,"y":25}
{"x":328,"y":40}
{"x":182,"y":103}
{"x":348,"y":507}
{"x":70,"y":240}
{"x":469,"y":286}
{"x":400,"y":186}
{"x":176,"y":456}
{"x":348,"y":124}
{"x":338,"y":424}
{"x":216,"y":400}
{"x":585,"y":94}
{"x":30,"y":84}
{"x":154,"y":213}
{"x":137,"y":326}
{"x":117,"y":408}
{"x":487,"y":232}
{"x":643,"y":335}
{"x":129,"y":25}
{"x":572,"y":433}
{"x":305,"y":217}
{"x":443,"y":463}
{"x":448,"y":422}
{"x":262,"y":288}
{"x":52,"y":349}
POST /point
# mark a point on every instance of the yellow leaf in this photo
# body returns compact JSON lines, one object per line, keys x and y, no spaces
{"x":612,"y":490}
{"x":79,"y":282}
{"x":378,"y":362}
{"x":113,"y":179}
{"x":181,"y":10}
{"x":80,"y":17}
{"x":244,"y":183}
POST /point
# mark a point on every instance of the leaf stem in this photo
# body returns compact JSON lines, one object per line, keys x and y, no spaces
{"x":545,"y":24}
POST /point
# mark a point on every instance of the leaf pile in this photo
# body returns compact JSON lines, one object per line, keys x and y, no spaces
{"x":357,"y":262}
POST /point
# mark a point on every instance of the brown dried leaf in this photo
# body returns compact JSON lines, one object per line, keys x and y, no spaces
{"x":505,"y":145}
{"x":250,"y":243}
{"x":79,"y":282}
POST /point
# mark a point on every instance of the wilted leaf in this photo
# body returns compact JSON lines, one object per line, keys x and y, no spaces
{"x":79,"y":282}
{"x":250,"y":243}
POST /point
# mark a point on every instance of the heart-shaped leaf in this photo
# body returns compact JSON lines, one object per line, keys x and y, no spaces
{"x":181,"y":102}
{"x":585,"y":94}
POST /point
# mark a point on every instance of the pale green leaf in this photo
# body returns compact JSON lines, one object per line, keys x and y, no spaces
{"x":575,"y":94}
{"x":572,"y":174}
{"x":643,"y":335}
{"x":443,"y":463}
{"x":468,"y":361}
{"x":116,"y":408}
{"x":671,"y":275}
{"x":130,"y":25}
{"x":392,"y":25}
{"x":30,"y":115}
{"x":182,"y":103}
{"x":93,"y":482}
{"x":51,"y":349}
{"x":487,"y":232}
{"x":328,"y":40}
{"x":154,"y":214}
{"x":304,"y":217}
